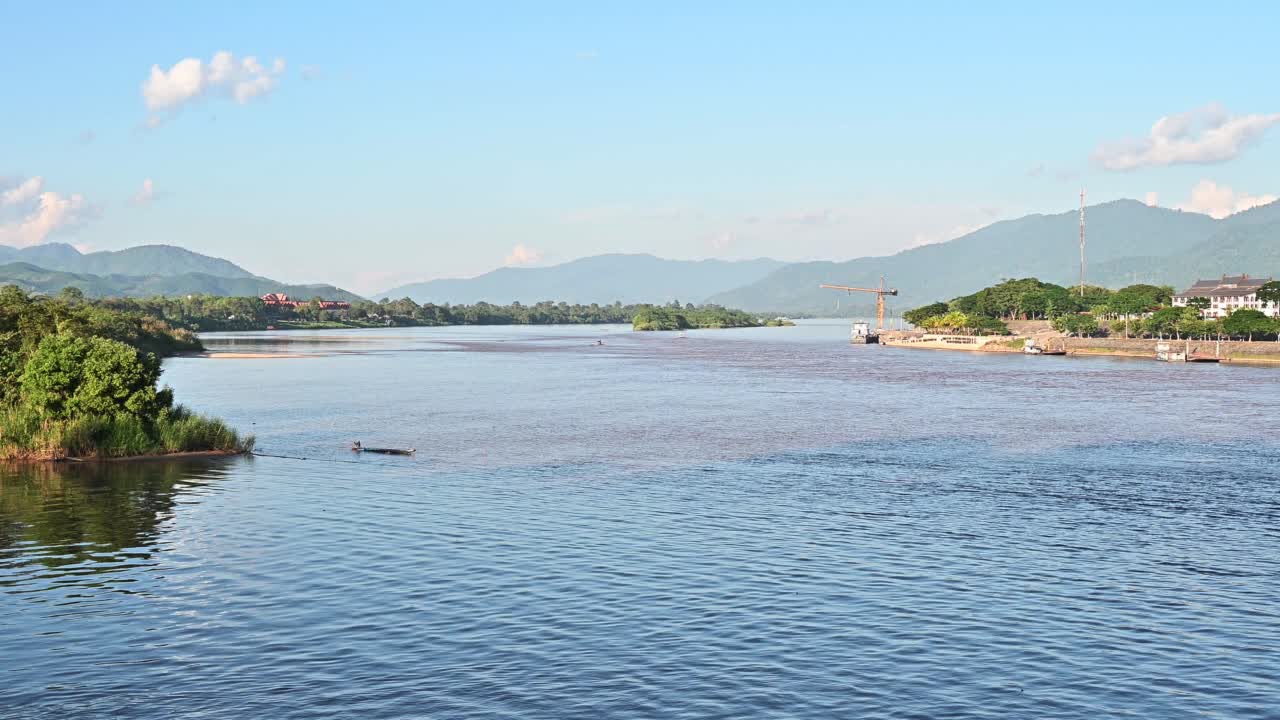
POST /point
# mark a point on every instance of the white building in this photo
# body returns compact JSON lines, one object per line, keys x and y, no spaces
{"x":1228,"y":295}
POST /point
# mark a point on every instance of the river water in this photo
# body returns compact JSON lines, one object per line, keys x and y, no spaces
{"x":735,"y":524}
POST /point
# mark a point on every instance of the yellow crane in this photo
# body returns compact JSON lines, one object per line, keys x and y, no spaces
{"x":880,"y":293}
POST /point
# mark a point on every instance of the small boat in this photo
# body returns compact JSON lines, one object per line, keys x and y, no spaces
{"x":1030,"y":347}
{"x":1165,"y":352}
{"x":357,"y":447}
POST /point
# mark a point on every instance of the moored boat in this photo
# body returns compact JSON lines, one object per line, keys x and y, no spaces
{"x":358,"y":447}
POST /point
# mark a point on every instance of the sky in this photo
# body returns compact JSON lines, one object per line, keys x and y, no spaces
{"x":369,"y":145}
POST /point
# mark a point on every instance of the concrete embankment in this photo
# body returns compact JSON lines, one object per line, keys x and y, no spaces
{"x":1227,"y":350}
{"x":1232,"y":351}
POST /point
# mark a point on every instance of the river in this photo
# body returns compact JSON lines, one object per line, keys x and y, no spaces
{"x":735,"y":524}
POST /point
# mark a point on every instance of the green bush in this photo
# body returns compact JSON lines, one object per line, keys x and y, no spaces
{"x":70,"y":376}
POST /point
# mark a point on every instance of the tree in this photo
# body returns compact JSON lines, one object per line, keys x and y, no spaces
{"x":659,"y":318}
{"x":1128,"y":302}
{"x":71,"y":294}
{"x":1196,"y":327}
{"x":989,"y":326}
{"x":1248,"y":323}
{"x":1093,"y":297}
{"x":918,"y":315}
{"x":70,"y":376}
{"x":1199,"y":303}
{"x":1078,"y":325}
{"x":1151,"y":295}
{"x":1165,"y":321}
{"x":1270,"y":293}
{"x":954,"y":320}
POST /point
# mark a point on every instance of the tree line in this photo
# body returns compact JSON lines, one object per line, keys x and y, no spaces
{"x":207,"y":313}
{"x":677,"y":318}
{"x":1135,"y":311}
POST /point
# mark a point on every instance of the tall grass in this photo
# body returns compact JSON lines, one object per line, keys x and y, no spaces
{"x":26,"y":435}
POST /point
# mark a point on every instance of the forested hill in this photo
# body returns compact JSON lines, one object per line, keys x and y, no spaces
{"x":597,"y":279}
{"x":37,"y":279}
{"x":143,"y":260}
{"x":1128,"y":242}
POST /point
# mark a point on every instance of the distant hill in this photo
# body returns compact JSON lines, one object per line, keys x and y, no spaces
{"x":1127,"y":242}
{"x":143,"y":260}
{"x":38,"y":279}
{"x":1246,"y":247}
{"x":598,"y":279}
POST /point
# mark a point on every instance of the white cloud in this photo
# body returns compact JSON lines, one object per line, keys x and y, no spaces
{"x":1152,"y":199}
{"x":29,"y":214}
{"x":1219,"y":201}
{"x":145,"y":194}
{"x":190,"y":79}
{"x":1202,"y":136}
{"x":22,"y":192}
{"x":522,"y":255}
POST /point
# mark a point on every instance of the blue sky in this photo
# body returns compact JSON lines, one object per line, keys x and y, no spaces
{"x":407,"y":141}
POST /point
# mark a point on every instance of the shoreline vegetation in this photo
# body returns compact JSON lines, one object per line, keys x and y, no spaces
{"x":1133,"y":312}
{"x":689,"y":317}
{"x":80,"y":380}
{"x":204,"y":313}
{"x":1119,"y":323}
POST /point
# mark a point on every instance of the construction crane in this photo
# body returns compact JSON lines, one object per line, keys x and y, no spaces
{"x":880,"y":293}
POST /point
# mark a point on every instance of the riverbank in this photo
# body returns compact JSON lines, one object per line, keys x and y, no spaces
{"x":27,"y":436}
{"x":192,"y":455}
{"x":211,"y":355}
{"x":1227,"y":351}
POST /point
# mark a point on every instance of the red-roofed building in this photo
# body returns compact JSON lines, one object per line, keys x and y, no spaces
{"x":282,"y":300}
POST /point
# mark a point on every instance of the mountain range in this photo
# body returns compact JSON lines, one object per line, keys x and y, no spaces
{"x":597,"y":279}
{"x":1128,"y":242}
{"x":141,"y":271}
{"x":142,"y":260}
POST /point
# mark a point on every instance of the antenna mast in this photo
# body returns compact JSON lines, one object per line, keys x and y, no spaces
{"x":1081,"y":242}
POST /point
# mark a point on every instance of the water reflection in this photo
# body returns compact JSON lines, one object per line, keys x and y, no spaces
{"x":89,"y":518}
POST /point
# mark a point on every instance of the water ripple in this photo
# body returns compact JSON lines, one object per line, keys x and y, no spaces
{"x":666,"y":531}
